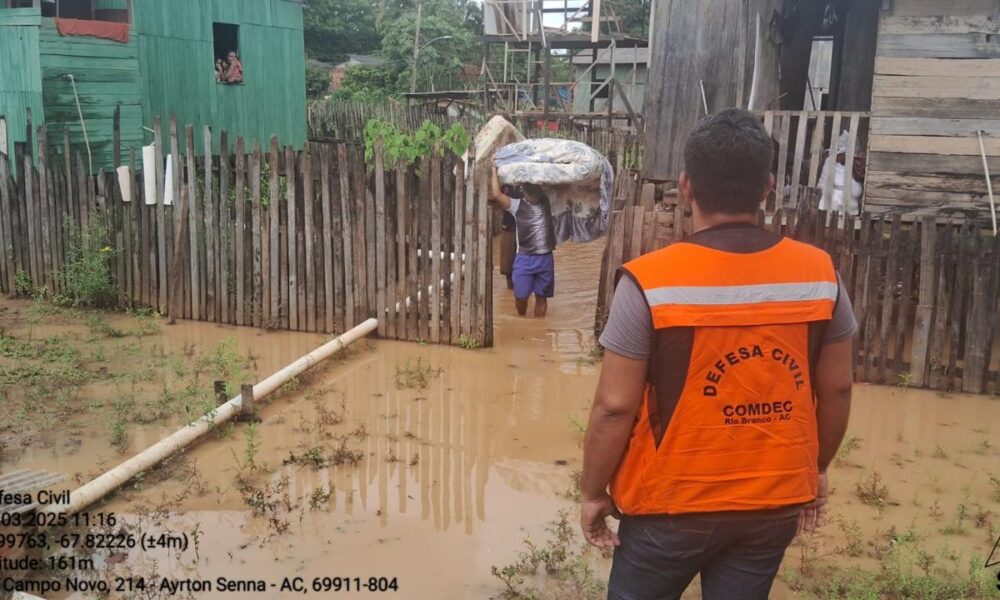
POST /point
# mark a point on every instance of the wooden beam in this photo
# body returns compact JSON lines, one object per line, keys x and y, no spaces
{"x":964,"y":45}
{"x":918,"y":144}
{"x":939,"y":24}
{"x":938,"y":67}
{"x":924,"y":126}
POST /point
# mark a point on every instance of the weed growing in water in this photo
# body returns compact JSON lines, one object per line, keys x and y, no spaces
{"x":86,"y":276}
{"x":251,"y":446}
{"x":312,"y":457}
{"x":908,"y":571}
{"x":957,"y":525}
{"x":853,"y":535}
{"x":982,"y":517}
{"x":469,"y":343}
{"x":573,"y":491}
{"x":850,"y":444}
{"x":342,"y":455}
{"x":319,"y":497}
{"x":871,"y":490}
{"x":415,"y":375}
{"x":98,"y":325}
{"x":995,"y":484}
{"x":270,"y":500}
{"x":118,"y":437}
{"x":904,"y":379}
{"x":567,"y":573}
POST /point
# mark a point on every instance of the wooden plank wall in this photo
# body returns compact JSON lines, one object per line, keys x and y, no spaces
{"x":314,"y":240}
{"x":937,"y":83}
{"x":926,"y":294}
{"x":106,"y":76}
{"x":699,"y":45}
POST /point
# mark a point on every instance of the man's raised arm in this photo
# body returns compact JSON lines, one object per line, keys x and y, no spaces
{"x":497,"y":197}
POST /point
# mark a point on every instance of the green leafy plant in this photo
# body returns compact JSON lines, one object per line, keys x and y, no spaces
{"x":22,"y":284}
{"x":251,"y":446}
{"x":409,"y":148}
{"x":87,"y":276}
{"x":469,"y":343}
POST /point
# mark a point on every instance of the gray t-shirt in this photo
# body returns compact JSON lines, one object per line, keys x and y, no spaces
{"x":535,"y":231}
{"x":629,"y":331}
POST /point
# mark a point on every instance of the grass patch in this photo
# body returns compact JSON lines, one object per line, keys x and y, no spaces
{"x":850,"y":444}
{"x":871,"y":490}
{"x":469,"y":343}
{"x":558,"y":569}
{"x":415,"y":375}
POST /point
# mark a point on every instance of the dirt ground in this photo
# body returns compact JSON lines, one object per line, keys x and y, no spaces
{"x":433,"y":465}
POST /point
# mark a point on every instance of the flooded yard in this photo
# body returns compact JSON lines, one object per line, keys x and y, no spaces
{"x":430,"y":465}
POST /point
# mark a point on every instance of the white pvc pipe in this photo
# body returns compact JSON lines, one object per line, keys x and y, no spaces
{"x":989,"y":183}
{"x":99,"y":487}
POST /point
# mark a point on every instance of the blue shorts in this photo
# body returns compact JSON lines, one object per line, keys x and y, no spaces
{"x":534,"y":274}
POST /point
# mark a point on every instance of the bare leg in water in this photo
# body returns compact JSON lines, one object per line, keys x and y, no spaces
{"x":522,"y":306}
{"x":541,"y":306}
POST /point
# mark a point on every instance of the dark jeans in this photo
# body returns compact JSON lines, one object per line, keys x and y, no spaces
{"x":737,"y":556}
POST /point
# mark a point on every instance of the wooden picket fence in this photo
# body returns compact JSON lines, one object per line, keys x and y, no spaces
{"x":806,"y":142}
{"x":312,"y":240}
{"x":925,"y":294}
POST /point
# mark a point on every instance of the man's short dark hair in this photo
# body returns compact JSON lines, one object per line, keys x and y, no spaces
{"x":728,"y":159}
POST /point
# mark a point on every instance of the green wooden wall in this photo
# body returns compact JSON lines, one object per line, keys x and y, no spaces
{"x":20,"y":77}
{"x":107,"y":75}
{"x":176,"y":59}
{"x":111,"y":4}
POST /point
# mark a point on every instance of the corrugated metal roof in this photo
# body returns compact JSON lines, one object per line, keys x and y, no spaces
{"x":25,"y":481}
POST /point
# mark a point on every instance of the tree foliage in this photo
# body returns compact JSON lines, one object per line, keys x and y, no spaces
{"x":317,"y":80}
{"x":634,"y":15}
{"x":334,"y":28}
{"x":367,"y":83}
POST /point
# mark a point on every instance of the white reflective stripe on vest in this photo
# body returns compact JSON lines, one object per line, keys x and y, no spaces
{"x":742,"y":294}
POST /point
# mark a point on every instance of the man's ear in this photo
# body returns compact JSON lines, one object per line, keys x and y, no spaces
{"x":685,"y":187}
{"x":770,"y":185}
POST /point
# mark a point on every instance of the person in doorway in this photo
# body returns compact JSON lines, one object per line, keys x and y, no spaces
{"x":533,"y":271}
{"x":725,"y":388}
{"x":234,"y":74}
{"x":508,"y":244}
{"x":843,"y":198}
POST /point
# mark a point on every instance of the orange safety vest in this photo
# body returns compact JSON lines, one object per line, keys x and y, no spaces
{"x":728,"y":420}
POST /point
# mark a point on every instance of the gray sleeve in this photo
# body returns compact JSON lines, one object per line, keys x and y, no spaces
{"x":843,"y":325}
{"x":629,"y":330}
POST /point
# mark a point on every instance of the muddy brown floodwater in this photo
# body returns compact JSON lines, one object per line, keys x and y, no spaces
{"x":462,"y":454}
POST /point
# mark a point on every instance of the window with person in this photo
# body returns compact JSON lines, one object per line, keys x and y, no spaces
{"x":228,"y":66}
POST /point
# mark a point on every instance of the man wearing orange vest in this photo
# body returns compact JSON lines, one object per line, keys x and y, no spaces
{"x":725,"y":388}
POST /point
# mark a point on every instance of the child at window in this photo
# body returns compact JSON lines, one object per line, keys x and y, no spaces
{"x":235,"y":72}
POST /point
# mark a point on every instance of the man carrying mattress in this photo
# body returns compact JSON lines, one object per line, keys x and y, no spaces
{"x":534,"y":268}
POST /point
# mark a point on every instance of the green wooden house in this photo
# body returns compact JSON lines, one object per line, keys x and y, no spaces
{"x":64,"y":59}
